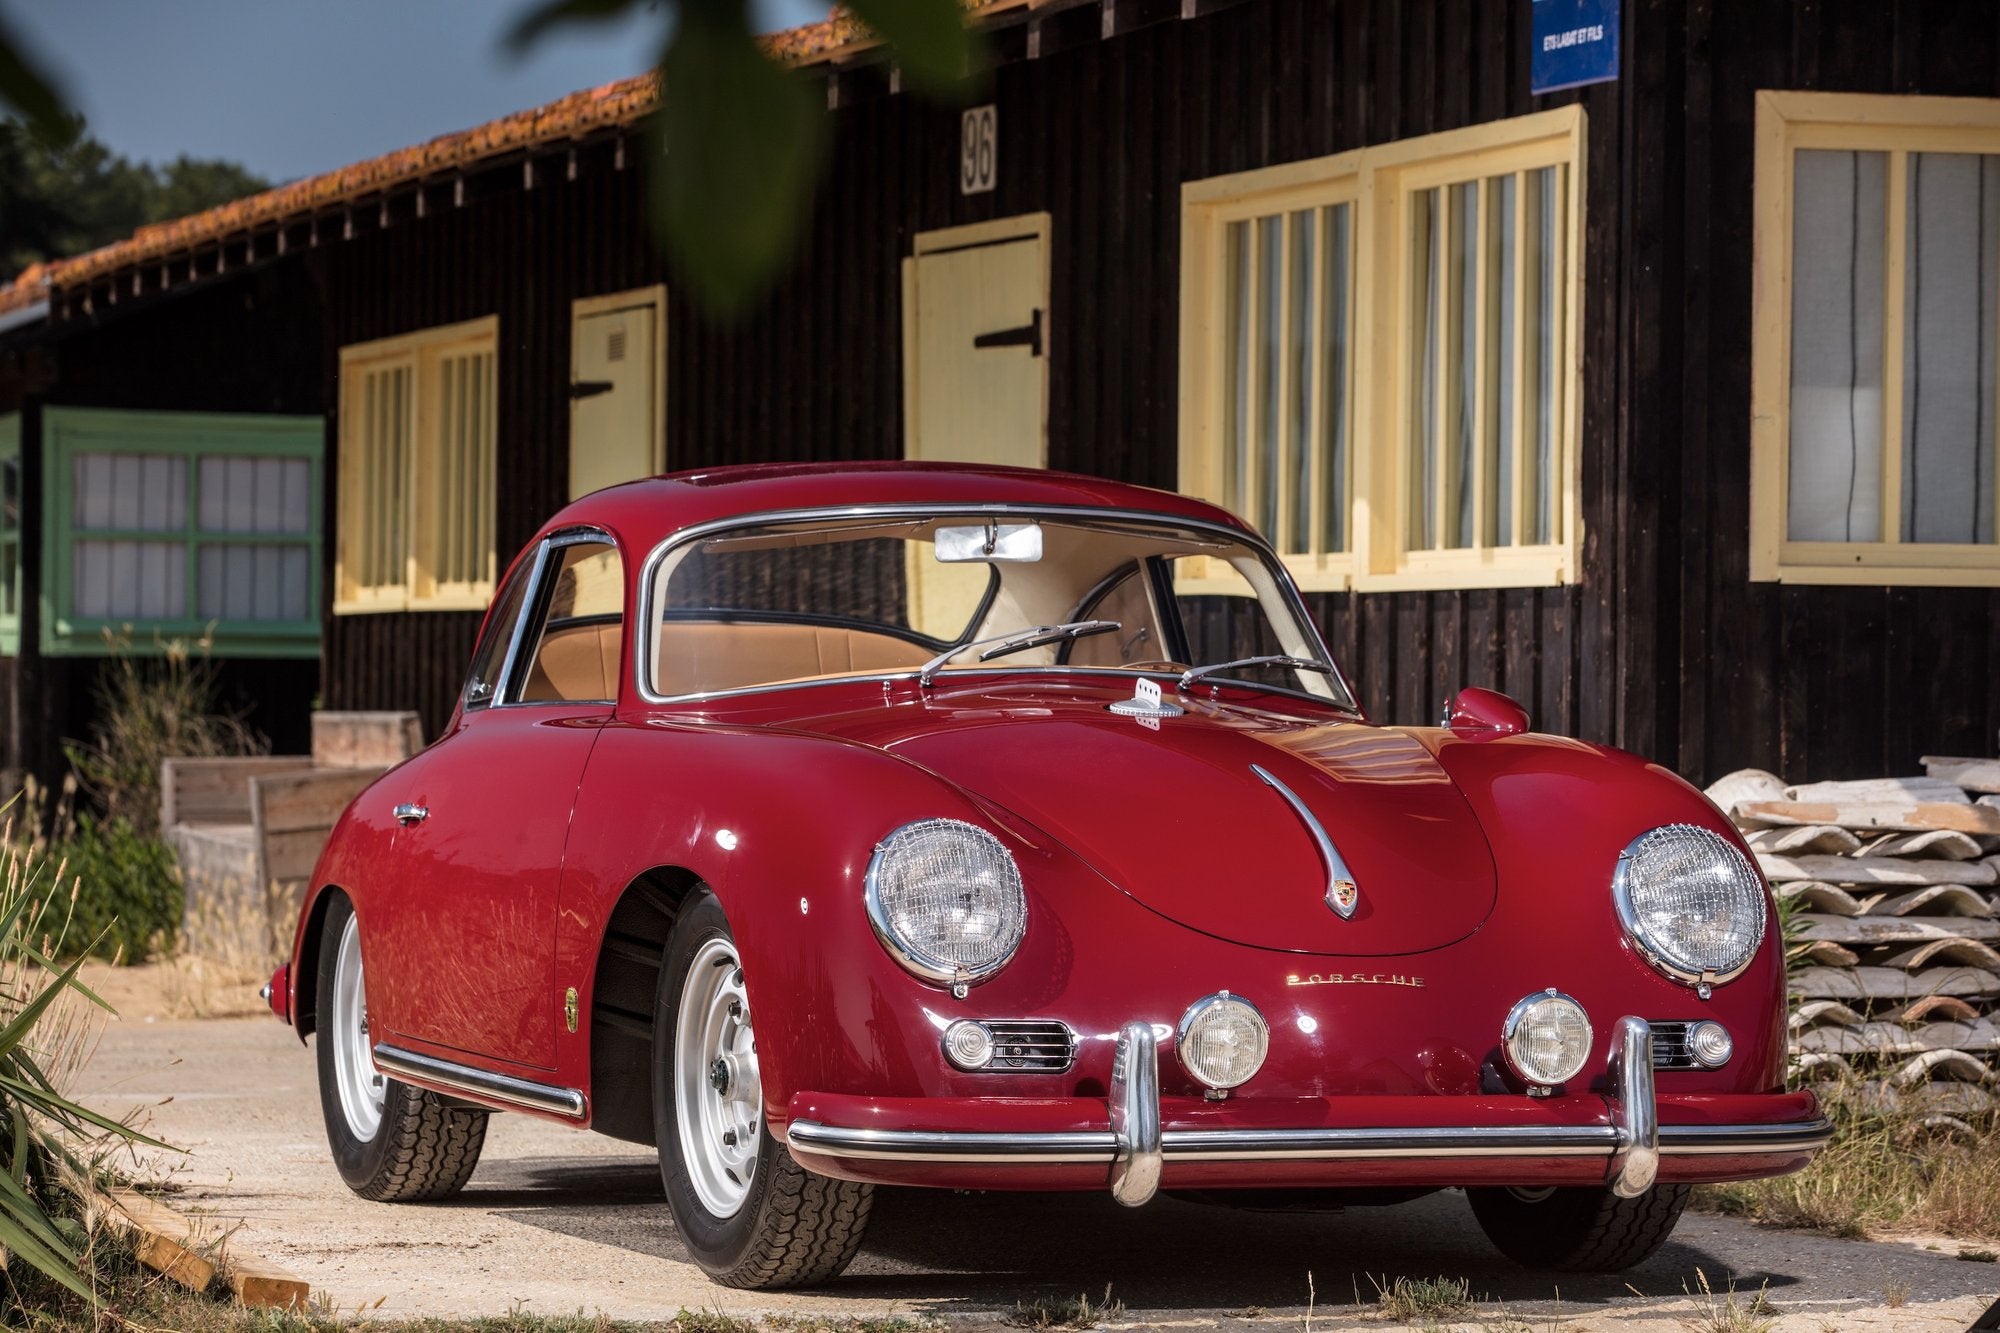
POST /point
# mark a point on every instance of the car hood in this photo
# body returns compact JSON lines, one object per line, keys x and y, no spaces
{"x":1174,"y":815}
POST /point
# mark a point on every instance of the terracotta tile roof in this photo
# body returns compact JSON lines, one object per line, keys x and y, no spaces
{"x":621,"y":103}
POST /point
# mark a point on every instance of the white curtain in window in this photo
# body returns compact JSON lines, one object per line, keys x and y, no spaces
{"x":256,"y":495}
{"x":1948,"y":348}
{"x":130,"y":492}
{"x":254,"y":581}
{"x":128,"y":580}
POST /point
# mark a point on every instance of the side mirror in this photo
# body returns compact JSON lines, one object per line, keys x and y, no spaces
{"x":1476,"y":712}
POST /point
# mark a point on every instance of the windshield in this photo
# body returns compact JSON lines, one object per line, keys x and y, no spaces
{"x":780,"y":603}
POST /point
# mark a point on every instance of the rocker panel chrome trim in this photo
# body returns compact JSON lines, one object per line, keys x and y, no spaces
{"x":480,"y":1082}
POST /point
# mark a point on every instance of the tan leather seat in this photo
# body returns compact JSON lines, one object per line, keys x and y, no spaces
{"x":700,"y":656}
{"x":577,"y":662}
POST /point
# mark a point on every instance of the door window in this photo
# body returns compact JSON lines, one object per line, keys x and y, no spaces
{"x":491,"y":658}
{"x":582,"y":629}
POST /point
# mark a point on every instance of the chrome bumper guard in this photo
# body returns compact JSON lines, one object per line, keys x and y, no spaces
{"x":1136,"y":1150}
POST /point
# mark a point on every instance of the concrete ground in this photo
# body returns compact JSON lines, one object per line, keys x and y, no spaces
{"x":556,"y":1222}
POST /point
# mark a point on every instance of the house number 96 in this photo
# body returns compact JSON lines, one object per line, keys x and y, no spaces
{"x":977,"y":149}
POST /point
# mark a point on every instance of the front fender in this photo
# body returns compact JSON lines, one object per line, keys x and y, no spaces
{"x":356,"y":861}
{"x":1557,"y":814}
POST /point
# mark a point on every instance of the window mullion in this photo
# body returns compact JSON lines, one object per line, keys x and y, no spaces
{"x":1517,"y":499}
{"x":411,"y":515}
{"x":1444,"y":342}
{"x":1896,"y":241}
{"x":1483,"y":285}
{"x":1286,"y":454}
{"x":1253,"y":370}
{"x":1319,"y":458}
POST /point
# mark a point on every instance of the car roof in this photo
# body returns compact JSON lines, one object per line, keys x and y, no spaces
{"x":644,"y":513}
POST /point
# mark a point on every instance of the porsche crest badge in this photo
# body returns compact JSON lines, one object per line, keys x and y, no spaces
{"x":1341,"y":896}
{"x":569,"y":1008}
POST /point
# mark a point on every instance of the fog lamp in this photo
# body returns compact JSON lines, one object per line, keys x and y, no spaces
{"x":1546,"y":1038}
{"x":1710,"y":1044}
{"x":968,"y":1045}
{"x":1222,"y":1040}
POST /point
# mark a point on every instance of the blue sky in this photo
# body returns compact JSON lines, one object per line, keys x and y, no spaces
{"x":291,"y":88}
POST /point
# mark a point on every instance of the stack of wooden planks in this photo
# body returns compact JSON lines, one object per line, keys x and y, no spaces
{"x":1892,"y":890}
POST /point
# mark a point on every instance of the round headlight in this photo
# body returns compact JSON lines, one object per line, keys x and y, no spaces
{"x":1222,"y":1040}
{"x":1691,"y":903}
{"x":1546,"y":1038}
{"x":945,"y":898}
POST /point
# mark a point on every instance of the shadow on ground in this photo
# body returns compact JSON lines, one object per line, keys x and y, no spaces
{"x":975,"y":1253}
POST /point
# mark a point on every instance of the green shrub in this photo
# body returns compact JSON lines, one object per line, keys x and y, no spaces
{"x":127,"y":892}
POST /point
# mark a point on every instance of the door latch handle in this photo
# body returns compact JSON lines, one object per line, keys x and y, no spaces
{"x":409,"y":812}
{"x":1029,"y":335}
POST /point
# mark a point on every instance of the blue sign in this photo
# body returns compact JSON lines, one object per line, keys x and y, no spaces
{"x":1576,"y":42}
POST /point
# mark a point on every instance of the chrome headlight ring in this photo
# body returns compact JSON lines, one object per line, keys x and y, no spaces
{"x":945,"y":899}
{"x":1737,"y":888}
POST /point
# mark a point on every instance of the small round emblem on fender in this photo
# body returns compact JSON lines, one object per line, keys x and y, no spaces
{"x":569,"y":1008}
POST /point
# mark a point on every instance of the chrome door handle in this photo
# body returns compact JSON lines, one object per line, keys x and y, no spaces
{"x":409,"y":812}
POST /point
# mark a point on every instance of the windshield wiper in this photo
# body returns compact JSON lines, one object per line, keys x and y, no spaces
{"x":1194,"y":674}
{"x":1020,"y":640}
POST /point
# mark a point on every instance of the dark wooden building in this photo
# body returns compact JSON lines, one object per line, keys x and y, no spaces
{"x":1665,"y":404}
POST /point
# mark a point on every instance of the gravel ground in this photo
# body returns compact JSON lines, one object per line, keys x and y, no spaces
{"x":556,"y":1221}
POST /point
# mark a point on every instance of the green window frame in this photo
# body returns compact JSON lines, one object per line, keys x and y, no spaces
{"x":110,"y":545}
{"x":10,"y":535}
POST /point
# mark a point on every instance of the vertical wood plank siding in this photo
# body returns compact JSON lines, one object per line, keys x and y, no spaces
{"x":1662,"y":646}
{"x":247,"y":343}
{"x":1815,"y":682}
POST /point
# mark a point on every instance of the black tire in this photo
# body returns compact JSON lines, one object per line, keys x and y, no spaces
{"x":425,"y":1146}
{"x":793,"y":1228}
{"x":1586,"y":1230}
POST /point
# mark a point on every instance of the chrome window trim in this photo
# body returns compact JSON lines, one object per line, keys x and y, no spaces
{"x":1628,"y":917}
{"x":641,"y":647}
{"x":919,"y":964}
{"x":417,"y":1067}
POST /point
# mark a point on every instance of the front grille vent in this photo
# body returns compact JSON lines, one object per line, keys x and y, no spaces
{"x":1030,"y":1045}
{"x":1670,"y":1046}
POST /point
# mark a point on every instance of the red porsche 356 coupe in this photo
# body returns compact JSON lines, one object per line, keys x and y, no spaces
{"x":929,"y":825}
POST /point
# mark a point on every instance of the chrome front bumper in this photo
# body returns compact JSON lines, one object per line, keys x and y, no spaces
{"x":1135,"y":1151}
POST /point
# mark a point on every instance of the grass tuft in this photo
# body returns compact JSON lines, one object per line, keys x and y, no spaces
{"x":1720,"y":1313}
{"x":1882,"y":1172}
{"x":1408,"y":1299}
{"x":1046,"y":1312}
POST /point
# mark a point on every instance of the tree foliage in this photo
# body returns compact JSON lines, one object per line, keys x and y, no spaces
{"x":62,"y":192}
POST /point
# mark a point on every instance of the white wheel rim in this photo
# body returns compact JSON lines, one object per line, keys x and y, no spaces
{"x":362,"y":1088}
{"x":718,"y":1093}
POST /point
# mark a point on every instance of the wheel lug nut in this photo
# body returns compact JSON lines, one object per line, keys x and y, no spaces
{"x":729,"y":1138}
{"x":736,"y":1008}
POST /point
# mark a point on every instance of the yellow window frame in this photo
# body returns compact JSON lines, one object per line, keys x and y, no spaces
{"x":1380,"y":182}
{"x":1846,"y":122}
{"x":1208,"y":209}
{"x":428,"y":458}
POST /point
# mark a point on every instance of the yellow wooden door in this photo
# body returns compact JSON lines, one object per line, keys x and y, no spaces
{"x":615,"y":430}
{"x":977,"y":350}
